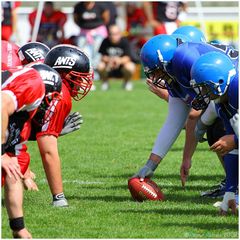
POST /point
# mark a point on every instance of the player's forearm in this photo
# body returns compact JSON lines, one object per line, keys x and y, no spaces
{"x":13,"y":198}
{"x":8,"y":108}
{"x":52,"y":167}
{"x":177,"y":115}
{"x":4,"y":125}
{"x":190,"y":140}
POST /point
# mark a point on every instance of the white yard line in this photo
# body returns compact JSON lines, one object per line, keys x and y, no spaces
{"x":76,"y":181}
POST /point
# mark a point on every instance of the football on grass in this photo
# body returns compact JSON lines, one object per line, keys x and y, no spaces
{"x":145,"y":190}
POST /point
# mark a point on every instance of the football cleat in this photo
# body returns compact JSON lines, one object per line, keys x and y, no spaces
{"x":144,"y":190}
{"x":216,"y":192}
{"x":60,"y":203}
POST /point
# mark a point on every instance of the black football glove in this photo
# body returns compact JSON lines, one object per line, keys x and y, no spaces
{"x":72,"y":123}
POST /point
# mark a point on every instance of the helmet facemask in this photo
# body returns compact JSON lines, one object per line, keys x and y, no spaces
{"x":79,"y":84}
{"x":47,"y":108}
{"x":202,"y":98}
{"x":159,"y":78}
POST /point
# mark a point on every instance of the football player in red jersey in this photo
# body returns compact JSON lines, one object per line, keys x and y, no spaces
{"x":74,"y":68}
{"x":22,"y":93}
{"x":14,"y":56}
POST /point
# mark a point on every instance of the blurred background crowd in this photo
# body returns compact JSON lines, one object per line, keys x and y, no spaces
{"x":112,"y":33}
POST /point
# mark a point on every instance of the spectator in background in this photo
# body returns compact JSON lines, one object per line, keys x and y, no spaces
{"x":51,"y":30}
{"x":92,"y":18}
{"x":9,"y":20}
{"x":163,"y":16}
{"x":116,"y":59}
{"x":136,"y":29}
{"x":112,"y":13}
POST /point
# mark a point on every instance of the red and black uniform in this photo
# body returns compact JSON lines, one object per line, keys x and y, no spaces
{"x":55,"y":125}
{"x":10,"y":58}
{"x":27,"y":90}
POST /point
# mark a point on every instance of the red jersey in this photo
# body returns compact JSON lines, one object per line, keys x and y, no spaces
{"x":59,"y":18}
{"x":10,"y":58}
{"x":48,"y":32}
{"x":26,"y":88}
{"x":55,"y":125}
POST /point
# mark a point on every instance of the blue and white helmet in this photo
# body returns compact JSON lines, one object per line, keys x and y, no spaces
{"x":193,"y":33}
{"x":157,"y":53}
{"x":215,"y":71}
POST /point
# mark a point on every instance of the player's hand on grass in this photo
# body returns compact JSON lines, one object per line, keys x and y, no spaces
{"x":184,"y":171}
{"x":23,"y":233}
{"x":72,"y":123}
{"x":229,"y":202}
{"x":29,"y":184}
{"x":11,"y":167}
{"x":224,"y":145}
{"x":147,"y":170}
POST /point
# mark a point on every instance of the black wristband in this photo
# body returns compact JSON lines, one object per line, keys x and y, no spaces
{"x":16,"y":224}
{"x":3,"y":148}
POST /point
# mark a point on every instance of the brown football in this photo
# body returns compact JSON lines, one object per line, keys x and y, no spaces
{"x":145,"y":190}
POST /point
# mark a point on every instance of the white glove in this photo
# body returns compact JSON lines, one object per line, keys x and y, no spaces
{"x":234,"y":124}
{"x":200,"y":130}
{"x":227,"y":196}
{"x":147,"y":170}
{"x":72,"y":123}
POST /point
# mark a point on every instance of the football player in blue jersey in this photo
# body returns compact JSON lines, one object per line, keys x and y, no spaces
{"x":215,"y":77}
{"x":167,"y":63}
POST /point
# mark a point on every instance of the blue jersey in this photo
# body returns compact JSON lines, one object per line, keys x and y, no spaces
{"x":227,"y":110}
{"x":183,"y":59}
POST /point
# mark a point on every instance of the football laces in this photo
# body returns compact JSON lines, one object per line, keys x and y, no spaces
{"x":149,"y":191}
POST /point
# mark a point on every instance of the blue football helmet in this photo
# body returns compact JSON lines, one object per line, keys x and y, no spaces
{"x":211,"y":74}
{"x":155,"y":56}
{"x":193,"y":33}
{"x":181,"y":37}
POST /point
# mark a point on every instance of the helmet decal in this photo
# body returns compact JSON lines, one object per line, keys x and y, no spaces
{"x":64,"y":62}
{"x":34,"y":54}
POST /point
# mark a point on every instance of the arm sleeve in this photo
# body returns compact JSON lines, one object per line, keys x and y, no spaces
{"x":177,"y":114}
{"x":210,"y":114}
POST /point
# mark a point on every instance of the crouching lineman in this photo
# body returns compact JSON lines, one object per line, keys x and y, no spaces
{"x":167,"y":62}
{"x":214,"y":77}
{"x":74,"y":68}
{"x":23,"y":92}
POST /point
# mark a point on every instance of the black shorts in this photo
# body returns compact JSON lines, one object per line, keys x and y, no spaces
{"x":215,"y":131}
{"x":116,"y":73}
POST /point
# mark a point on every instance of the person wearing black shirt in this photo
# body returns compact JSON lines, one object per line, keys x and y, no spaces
{"x":116,"y":59}
{"x":92,"y":18}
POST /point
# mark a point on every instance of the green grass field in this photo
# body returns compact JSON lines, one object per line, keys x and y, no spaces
{"x":113,"y":143}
